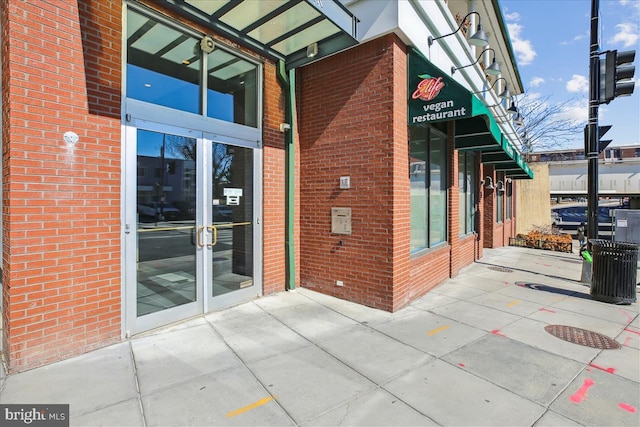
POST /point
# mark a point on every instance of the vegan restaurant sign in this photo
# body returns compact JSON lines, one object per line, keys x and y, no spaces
{"x":434,"y":96}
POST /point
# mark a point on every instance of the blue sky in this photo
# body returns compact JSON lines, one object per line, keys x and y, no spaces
{"x":551,"y":42}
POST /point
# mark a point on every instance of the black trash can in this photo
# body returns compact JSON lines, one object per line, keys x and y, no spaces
{"x":614,"y":271}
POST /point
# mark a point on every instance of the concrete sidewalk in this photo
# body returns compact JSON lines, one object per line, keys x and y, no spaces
{"x":474,"y":351}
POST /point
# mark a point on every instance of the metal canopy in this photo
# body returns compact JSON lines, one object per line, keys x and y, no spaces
{"x":280,"y":29}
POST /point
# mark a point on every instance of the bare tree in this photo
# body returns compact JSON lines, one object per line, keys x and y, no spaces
{"x":546,"y":127}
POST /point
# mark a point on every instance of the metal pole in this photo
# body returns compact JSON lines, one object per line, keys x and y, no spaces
{"x":592,"y":135}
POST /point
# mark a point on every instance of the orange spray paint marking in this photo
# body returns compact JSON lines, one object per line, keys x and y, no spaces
{"x":497,"y":332}
{"x":627,"y":407}
{"x":579,"y":395}
{"x":249,"y":407}
{"x":609,"y":370}
{"x":435,"y":331}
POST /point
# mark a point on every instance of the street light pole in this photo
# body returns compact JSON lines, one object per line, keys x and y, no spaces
{"x":591,"y":144}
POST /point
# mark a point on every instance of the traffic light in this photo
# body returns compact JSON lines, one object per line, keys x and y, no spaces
{"x":602,"y":144}
{"x":618,"y":75}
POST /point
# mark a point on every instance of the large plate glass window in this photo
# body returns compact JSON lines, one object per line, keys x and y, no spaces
{"x":166,"y":205}
{"x":428,"y":176}
{"x":467,"y":189}
{"x":500,"y":197}
{"x":165,"y":67}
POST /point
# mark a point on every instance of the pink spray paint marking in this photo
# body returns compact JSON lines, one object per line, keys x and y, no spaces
{"x":627,"y":340}
{"x":497,"y":332}
{"x":579,"y":395}
{"x":609,"y":370}
{"x":627,"y":315}
{"x":547,"y":310}
{"x":627,"y":407}
{"x":633,"y":332}
{"x":461,"y":365}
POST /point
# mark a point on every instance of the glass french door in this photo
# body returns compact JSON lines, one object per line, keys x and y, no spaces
{"x":190,"y":244}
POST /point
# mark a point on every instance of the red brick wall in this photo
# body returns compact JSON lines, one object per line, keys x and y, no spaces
{"x":429,"y":270}
{"x":61,"y":205}
{"x":352,"y":115}
{"x":274,"y":270}
{"x":489,"y":207}
{"x":354,"y":124}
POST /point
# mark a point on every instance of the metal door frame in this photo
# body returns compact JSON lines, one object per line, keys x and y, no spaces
{"x":204,"y":303}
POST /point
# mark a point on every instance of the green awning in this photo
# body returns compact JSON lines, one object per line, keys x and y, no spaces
{"x":507,"y":160}
{"x":479,"y":132}
{"x":436,"y":97}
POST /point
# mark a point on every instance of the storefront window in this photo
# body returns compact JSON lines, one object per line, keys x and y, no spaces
{"x":165,"y":67}
{"x":427,"y":171}
{"x":467,"y":186}
{"x":500,"y":199}
{"x":508,"y":191}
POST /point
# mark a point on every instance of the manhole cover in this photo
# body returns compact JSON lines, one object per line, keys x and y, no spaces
{"x":582,"y":337}
{"x":501,"y":269}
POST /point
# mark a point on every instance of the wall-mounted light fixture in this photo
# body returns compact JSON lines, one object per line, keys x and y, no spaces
{"x":479,"y":38}
{"x":511,"y":110}
{"x":312,"y":50}
{"x":493,"y":69}
{"x":500,"y":187}
{"x":487,"y":182}
{"x":505,"y":94}
{"x":517,"y":120}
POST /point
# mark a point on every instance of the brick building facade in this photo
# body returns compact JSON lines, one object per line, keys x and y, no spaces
{"x":102,"y":238}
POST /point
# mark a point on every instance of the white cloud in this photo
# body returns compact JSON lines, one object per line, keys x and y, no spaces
{"x":580,"y":37}
{"x":575,"y":39}
{"x":627,"y":34}
{"x":523,"y":48}
{"x":536,"y":81}
{"x":533,"y":95}
{"x":578,"y":83}
{"x":515,"y":16}
{"x":577,"y":111}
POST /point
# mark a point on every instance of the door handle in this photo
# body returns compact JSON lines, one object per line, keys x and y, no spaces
{"x":214,"y":232}
{"x":199,"y":232}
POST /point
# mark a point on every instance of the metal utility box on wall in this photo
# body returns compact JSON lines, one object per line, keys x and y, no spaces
{"x":627,"y":225}
{"x":341,"y":220}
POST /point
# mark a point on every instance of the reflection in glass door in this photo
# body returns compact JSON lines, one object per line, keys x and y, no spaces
{"x":166,"y":209}
{"x":231,"y":219}
{"x":194,"y":246}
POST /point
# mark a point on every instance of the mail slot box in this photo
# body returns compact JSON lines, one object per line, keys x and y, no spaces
{"x":341,"y":220}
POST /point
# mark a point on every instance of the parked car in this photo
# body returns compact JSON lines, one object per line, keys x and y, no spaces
{"x":222,"y":213}
{"x":159,"y":212}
